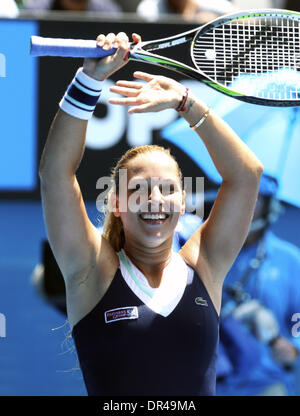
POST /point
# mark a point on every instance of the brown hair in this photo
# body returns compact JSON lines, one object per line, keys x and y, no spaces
{"x":113,"y":227}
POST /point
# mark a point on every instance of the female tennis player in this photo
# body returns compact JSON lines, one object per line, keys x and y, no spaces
{"x":144,"y":319}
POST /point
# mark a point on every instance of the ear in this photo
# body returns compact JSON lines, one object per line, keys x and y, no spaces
{"x":182,"y":210}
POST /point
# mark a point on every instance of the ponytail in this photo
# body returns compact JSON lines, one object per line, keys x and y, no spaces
{"x":113,"y":231}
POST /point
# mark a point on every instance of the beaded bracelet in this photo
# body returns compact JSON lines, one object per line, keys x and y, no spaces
{"x":81,"y":96}
{"x":181,"y":106}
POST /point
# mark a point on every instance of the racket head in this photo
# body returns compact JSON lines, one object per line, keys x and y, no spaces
{"x":252,"y":55}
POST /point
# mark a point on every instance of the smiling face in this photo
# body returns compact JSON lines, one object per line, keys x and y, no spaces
{"x":154,"y":199}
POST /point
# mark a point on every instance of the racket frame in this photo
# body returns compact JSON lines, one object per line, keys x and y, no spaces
{"x":141,"y":52}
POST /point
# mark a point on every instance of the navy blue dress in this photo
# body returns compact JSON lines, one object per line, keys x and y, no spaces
{"x":146,"y":353}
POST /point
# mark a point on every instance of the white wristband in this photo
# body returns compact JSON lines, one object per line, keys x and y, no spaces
{"x":81,"y":96}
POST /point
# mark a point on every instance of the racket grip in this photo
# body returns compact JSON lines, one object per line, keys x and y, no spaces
{"x":73,"y":48}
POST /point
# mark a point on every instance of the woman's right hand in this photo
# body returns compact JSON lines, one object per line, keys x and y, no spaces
{"x":102,"y":68}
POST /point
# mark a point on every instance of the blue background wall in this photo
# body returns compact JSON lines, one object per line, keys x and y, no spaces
{"x":18,"y":107}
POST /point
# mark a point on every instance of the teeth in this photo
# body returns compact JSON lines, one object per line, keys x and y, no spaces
{"x":154,"y":216}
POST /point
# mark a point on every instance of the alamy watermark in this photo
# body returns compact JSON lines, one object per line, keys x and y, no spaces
{"x":2,"y":66}
{"x":2,"y":326}
{"x":133,"y":195}
{"x":296,"y":326}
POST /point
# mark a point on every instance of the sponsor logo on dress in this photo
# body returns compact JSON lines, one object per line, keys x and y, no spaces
{"x":119,"y":314}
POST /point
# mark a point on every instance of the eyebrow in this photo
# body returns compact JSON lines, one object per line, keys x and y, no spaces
{"x":161,"y":180}
{"x":164,"y":183}
{"x":136,"y":170}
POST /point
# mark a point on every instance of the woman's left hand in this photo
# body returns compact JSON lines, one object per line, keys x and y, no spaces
{"x":157,"y":94}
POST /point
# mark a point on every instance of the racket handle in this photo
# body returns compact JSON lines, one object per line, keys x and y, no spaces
{"x":73,"y":48}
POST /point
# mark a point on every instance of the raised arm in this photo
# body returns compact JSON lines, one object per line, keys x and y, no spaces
{"x":75,"y":242}
{"x":215,"y":245}
{"x":220,"y":238}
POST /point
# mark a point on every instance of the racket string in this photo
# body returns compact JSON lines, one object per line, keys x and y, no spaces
{"x":238,"y":54}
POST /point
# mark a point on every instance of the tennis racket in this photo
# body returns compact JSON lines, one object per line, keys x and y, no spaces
{"x":252,"y":55}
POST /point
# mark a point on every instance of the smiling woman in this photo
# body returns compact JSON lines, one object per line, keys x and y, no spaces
{"x":144,"y":318}
{"x":153,"y":203}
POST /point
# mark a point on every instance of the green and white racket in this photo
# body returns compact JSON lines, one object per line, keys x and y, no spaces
{"x":252,"y":55}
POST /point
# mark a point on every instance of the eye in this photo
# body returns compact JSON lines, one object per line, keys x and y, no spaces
{"x":141,"y":187}
{"x":167,"y":188}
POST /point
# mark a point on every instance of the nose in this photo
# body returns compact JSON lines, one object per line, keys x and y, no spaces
{"x":155,"y":197}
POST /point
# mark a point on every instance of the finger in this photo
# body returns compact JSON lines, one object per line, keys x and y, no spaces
{"x":127,"y":92}
{"x":100,"y":40}
{"x":143,"y":108}
{"x":122,"y":41}
{"x":143,"y":75}
{"x":112,"y":40}
{"x":109,"y":40}
{"x":124,"y":101}
{"x":122,"y":36}
{"x":136,"y":38}
{"x":130,"y":84}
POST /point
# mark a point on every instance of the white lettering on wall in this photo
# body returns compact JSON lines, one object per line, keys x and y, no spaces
{"x":2,"y":66}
